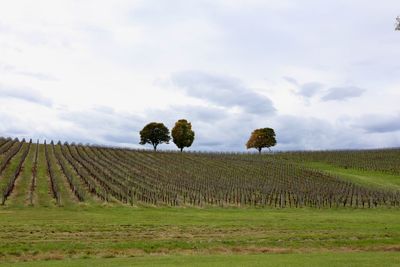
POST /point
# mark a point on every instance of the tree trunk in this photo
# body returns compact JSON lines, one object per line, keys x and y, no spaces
{"x":155,"y":147}
{"x":181,"y":149}
{"x":259,"y":150}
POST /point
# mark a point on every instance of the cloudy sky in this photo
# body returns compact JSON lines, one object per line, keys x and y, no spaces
{"x":323,"y":74}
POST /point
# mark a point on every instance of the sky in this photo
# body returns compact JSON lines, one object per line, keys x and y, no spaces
{"x":323,"y":74}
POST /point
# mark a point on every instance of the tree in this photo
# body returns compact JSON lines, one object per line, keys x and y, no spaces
{"x":260,"y":138}
{"x":154,"y":133}
{"x":182,"y":134}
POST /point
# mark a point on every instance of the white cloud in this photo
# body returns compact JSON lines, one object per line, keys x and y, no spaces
{"x":343,"y":93}
{"x":61,"y":60}
{"x":379,"y":123}
{"x":25,"y":94}
{"x":223,"y":91}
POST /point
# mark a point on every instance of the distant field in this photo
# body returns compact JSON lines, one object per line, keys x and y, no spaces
{"x":74,"y":205}
{"x":375,"y":160}
{"x":362,"y":177}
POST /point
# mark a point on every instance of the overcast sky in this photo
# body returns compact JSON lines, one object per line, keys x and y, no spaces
{"x":323,"y":74}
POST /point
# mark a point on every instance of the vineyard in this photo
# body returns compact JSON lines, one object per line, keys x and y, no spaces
{"x":63,"y":174}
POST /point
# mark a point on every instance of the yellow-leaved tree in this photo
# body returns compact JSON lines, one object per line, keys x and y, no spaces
{"x":182,"y":134}
{"x":260,"y":138}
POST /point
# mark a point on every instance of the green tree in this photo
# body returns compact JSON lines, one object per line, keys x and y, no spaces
{"x":182,"y":134}
{"x":260,"y":138}
{"x":154,"y":133}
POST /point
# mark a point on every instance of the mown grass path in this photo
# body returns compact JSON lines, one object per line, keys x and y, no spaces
{"x":364,"y":259}
{"x":118,"y":231}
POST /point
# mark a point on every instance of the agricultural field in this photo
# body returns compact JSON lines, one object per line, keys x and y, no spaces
{"x":76,"y":173}
{"x":68,"y":204}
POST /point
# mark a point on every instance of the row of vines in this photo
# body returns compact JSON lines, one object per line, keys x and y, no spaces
{"x":191,"y":179}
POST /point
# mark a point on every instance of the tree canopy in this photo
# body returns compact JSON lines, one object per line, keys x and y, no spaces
{"x":260,"y":138}
{"x":182,"y":134}
{"x":154,"y":133}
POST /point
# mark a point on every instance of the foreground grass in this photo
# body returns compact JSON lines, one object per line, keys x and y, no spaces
{"x":35,"y":233}
{"x":314,"y":259}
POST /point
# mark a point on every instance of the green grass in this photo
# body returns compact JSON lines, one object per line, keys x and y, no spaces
{"x":314,"y":259}
{"x":119,"y":231}
{"x":42,"y":194}
{"x":367,"y":178}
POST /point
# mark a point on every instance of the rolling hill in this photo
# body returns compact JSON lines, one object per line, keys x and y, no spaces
{"x":67,"y":174}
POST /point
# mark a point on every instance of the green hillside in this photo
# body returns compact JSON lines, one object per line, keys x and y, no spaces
{"x":75,"y":205}
{"x":69,"y":174}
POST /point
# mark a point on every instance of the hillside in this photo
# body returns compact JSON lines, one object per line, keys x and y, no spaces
{"x":68,"y":174}
{"x":76,"y":205}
